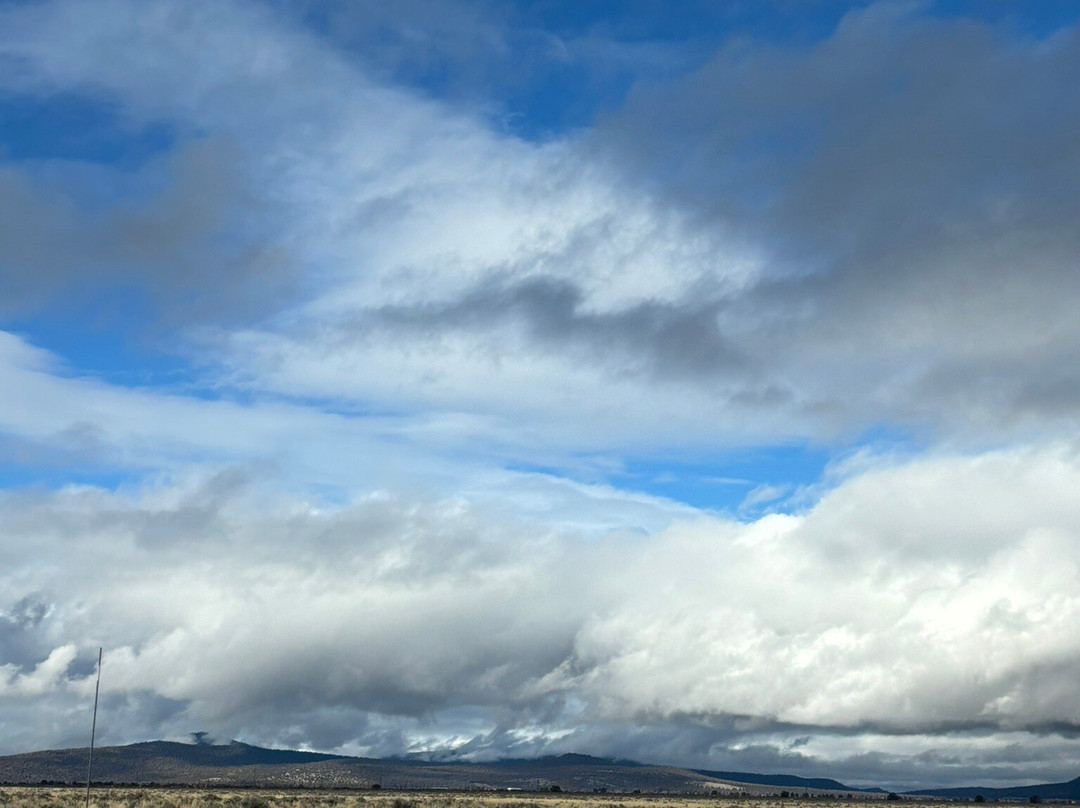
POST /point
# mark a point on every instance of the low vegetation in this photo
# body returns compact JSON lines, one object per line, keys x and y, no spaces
{"x":67,"y":797}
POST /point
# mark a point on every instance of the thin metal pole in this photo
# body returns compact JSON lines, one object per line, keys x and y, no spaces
{"x":93,"y":729}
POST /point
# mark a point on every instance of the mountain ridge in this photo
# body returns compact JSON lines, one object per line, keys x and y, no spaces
{"x":781,"y":780}
{"x":1068,"y":790}
{"x":238,"y":764}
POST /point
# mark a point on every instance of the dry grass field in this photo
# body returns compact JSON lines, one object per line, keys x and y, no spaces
{"x":61,"y":797}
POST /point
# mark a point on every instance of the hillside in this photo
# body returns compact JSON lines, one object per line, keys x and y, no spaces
{"x":787,"y":781}
{"x":238,"y":764}
{"x":1045,"y":791}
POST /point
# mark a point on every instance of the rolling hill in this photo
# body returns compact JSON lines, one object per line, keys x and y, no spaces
{"x":242,"y":765}
{"x":1044,"y":791}
{"x":239,"y":764}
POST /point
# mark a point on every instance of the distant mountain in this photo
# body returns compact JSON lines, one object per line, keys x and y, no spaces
{"x":1045,"y":791}
{"x":789,"y":781}
{"x":569,"y":759}
{"x":239,"y":764}
{"x":155,"y":762}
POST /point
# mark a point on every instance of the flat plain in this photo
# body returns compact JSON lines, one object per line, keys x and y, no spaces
{"x":135,"y":797}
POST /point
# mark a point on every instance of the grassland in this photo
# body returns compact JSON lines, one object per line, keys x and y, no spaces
{"x":67,"y":797}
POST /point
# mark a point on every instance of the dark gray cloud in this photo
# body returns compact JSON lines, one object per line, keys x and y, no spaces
{"x":178,"y":232}
{"x":665,"y":340}
{"x":916,"y":181}
{"x":23,"y":643}
{"x":895,"y":127}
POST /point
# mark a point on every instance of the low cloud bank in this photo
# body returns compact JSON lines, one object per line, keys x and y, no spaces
{"x":931,"y":600}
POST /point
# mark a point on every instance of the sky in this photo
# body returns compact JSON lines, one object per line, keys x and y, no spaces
{"x":692,"y":383}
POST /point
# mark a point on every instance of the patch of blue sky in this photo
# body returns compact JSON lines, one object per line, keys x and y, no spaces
{"x":541,"y":69}
{"x":728,"y":481}
{"x":110,"y":337}
{"x":77,"y":128}
{"x":745,"y":481}
{"x":719,"y":480}
{"x":702,"y":20}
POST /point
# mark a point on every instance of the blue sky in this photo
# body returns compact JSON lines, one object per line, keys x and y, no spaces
{"x":692,"y":384}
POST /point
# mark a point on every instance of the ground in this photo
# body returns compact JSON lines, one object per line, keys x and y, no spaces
{"x":67,"y":797}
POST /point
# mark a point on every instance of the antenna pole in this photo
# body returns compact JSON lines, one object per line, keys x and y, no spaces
{"x":93,"y":729}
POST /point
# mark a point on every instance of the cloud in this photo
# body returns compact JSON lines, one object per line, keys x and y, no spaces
{"x":919,"y":597}
{"x":904,"y":257}
{"x":174,"y":229}
{"x":390,"y":202}
{"x":793,"y":242}
{"x":408,"y":598}
{"x":915,"y":598}
{"x":43,"y":678}
{"x":763,"y":494}
{"x":920,"y":229}
{"x":51,"y":418}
